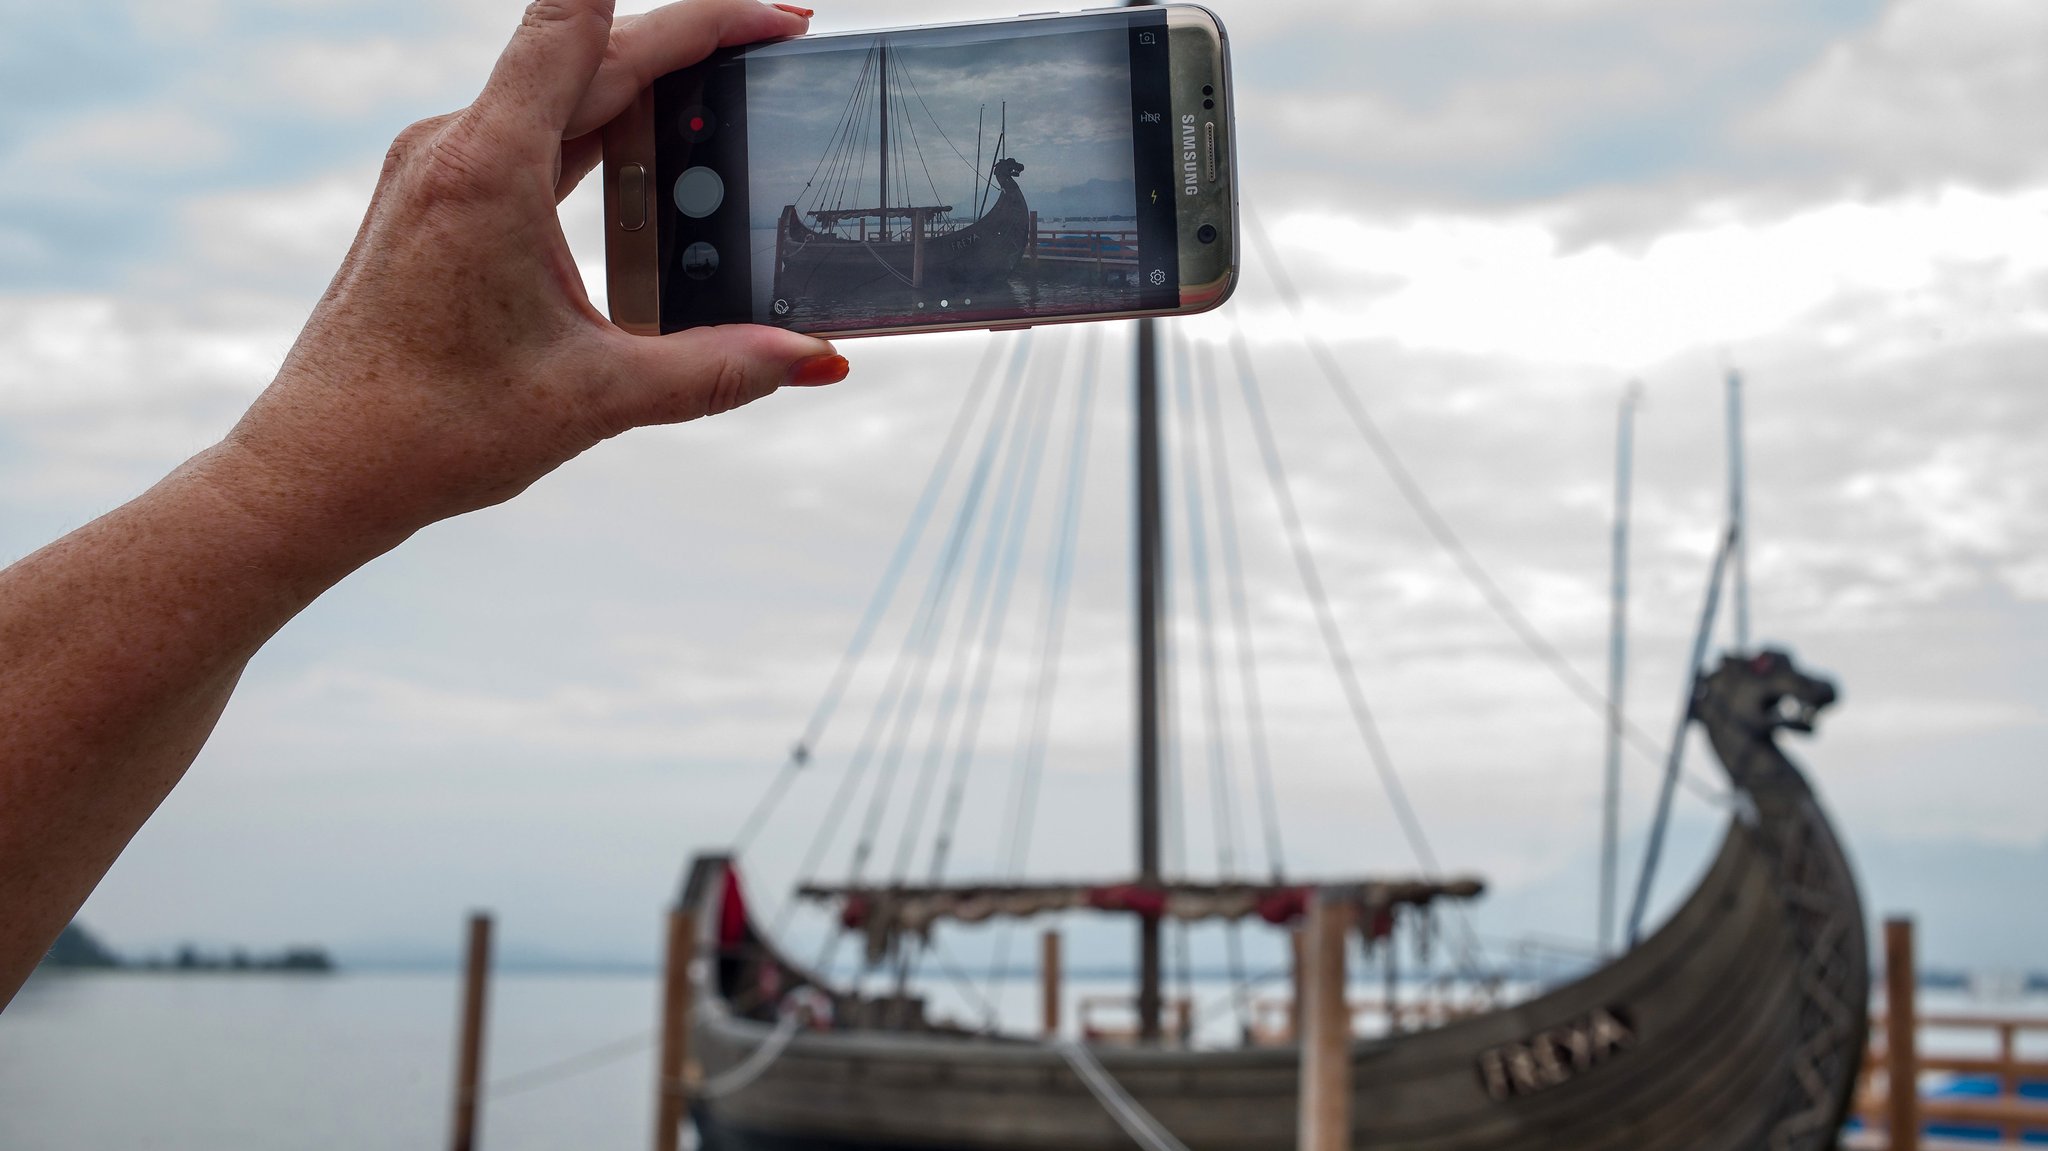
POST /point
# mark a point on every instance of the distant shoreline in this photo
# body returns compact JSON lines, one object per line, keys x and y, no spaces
{"x":77,"y":949}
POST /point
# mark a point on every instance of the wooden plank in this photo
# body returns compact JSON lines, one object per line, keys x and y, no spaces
{"x":2001,"y":1111}
{"x":469,"y":1052}
{"x":1903,"y":1114}
{"x":672,"y":1092}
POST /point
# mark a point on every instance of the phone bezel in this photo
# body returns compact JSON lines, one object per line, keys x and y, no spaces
{"x":1198,"y":55}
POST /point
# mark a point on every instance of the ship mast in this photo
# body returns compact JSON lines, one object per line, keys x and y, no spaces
{"x":1151,"y":576}
{"x":882,"y":47}
{"x":1151,"y":607}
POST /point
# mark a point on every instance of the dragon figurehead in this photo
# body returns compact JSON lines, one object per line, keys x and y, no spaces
{"x":1747,"y":700}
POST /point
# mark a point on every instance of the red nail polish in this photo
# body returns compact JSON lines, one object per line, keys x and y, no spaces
{"x":793,"y":10}
{"x":816,"y":370}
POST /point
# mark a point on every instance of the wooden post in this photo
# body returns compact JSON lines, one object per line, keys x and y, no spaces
{"x":1031,"y":247}
{"x":672,"y":1090}
{"x":1393,"y":971}
{"x":1325,"y":1117}
{"x":1901,"y":1025}
{"x":917,"y":216}
{"x":2009,"y":1074}
{"x":1297,"y":941}
{"x":1049,"y":982}
{"x":469,"y":1053}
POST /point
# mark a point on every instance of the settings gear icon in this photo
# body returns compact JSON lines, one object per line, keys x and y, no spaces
{"x":1158,"y":276}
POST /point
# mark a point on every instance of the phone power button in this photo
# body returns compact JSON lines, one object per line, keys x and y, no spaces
{"x":632,"y":197}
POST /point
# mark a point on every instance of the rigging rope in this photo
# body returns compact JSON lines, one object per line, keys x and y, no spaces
{"x":549,"y":1074}
{"x":1027,"y":757}
{"x":994,"y":635}
{"x":1248,"y":672}
{"x":1333,"y":639}
{"x":878,"y":606}
{"x":1655,"y":849}
{"x":912,"y":81}
{"x":1340,"y":655}
{"x":741,"y":1077}
{"x":1135,"y":1120}
{"x":841,"y":805}
{"x":843,"y":128}
{"x":1173,"y":784}
{"x":1006,"y":529}
{"x":923,"y":639}
{"x":1221,"y":798}
{"x":1440,"y":528}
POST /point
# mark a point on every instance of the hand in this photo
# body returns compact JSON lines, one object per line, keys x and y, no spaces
{"x":456,"y":357}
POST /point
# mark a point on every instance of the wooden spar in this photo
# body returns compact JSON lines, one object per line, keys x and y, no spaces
{"x":469,"y":1051}
{"x":672,"y":1087}
{"x":882,"y":48}
{"x":1049,"y":982}
{"x":1325,"y":1121}
{"x":1901,"y":1022}
{"x":1738,"y":513}
{"x":1617,"y":669}
{"x":1151,"y":594}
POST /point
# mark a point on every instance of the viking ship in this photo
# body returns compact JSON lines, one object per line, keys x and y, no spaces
{"x":856,"y":251}
{"x":1738,"y":1024}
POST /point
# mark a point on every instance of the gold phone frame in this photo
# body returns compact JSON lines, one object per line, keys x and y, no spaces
{"x":1198,"y":56}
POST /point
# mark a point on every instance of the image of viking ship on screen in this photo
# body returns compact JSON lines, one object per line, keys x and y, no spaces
{"x":898,"y":179}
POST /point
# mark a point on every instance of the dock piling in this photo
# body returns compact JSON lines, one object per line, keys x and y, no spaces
{"x":1325,"y":1123}
{"x":1901,"y":1024}
{"x":1049,"y":982}
{"x":469,"y":1057}
{"x":1297,"y":943}
{"x":672,"y":1088}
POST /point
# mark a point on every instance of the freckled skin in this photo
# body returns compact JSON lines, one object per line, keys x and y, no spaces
{"x":454,"y":360}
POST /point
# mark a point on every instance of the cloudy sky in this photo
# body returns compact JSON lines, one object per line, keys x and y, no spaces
{"x":1499,"y":214}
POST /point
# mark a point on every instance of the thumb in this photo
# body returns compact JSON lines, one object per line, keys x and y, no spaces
{"x":543,"y":73}
{"x":705,"y":371}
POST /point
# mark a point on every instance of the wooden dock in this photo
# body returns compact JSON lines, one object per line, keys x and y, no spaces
{"x":1093,"y":255}
{"x":1899,"y":1122}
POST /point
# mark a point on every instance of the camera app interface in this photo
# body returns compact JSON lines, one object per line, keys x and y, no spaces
{"x":938,"y":175}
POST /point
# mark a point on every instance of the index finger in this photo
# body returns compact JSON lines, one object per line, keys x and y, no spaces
{"x":647,"y":47}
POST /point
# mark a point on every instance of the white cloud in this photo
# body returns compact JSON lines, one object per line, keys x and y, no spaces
{"x":1939,"y":88}
{"x":110,"y":153}
{"x":1510,"y":287}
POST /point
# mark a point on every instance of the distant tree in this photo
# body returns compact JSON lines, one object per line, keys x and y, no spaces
{"x":77,"y":947}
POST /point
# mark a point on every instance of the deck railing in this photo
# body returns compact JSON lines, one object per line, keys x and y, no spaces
{"x":2011,"y":1115}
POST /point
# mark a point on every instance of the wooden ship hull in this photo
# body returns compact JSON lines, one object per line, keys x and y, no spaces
{"x":813,"y":264}
{"x":1738,"y":1025}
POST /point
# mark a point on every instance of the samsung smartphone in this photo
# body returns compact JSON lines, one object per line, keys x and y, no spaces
{"x":1002,"y":174}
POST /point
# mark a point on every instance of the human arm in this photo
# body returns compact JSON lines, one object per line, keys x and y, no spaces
{"x":454,"y":360}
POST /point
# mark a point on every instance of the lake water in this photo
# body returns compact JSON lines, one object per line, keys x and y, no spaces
{"x":279,"y":1063}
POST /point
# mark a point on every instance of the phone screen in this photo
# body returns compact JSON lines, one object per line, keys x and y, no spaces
{"x":981,"y":173}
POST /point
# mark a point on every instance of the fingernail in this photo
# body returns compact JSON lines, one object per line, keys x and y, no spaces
{"x":793,"y":10}
{"x":815,"y":370}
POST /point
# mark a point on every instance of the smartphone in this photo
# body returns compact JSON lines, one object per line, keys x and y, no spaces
{"x":1001,"y":174}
